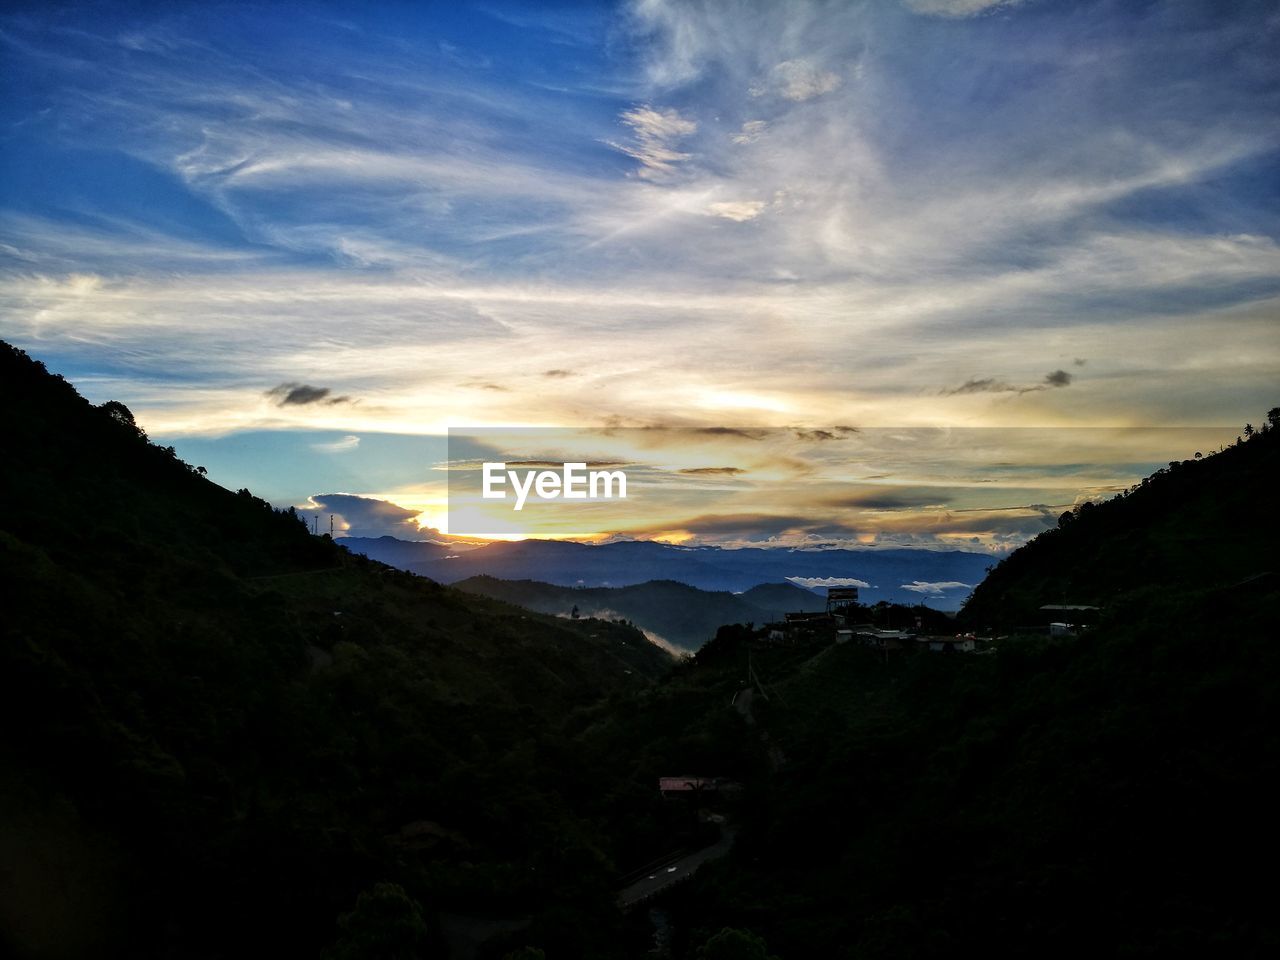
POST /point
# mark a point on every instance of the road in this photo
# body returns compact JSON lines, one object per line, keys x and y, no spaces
{"x":665,"y":877}
{"x":675,"y":872}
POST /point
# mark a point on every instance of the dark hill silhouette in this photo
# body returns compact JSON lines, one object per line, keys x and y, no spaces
{"x":680,"y":614}
{"x":222,"y":728}
{"x":1095,"y":795}
{"x":780,"y":598}
{"x":1198,"y":523}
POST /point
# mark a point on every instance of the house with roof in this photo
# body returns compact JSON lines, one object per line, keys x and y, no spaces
{"x":961,"y":643}
{"x":1069,"y":619}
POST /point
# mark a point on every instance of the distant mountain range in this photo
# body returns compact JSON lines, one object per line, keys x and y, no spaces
{"x":898,"y":576}
{"x":677,"y":613}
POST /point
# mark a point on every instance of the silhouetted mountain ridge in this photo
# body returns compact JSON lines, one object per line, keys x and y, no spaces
{"x":1049,"y":796}
{"x":676,"y":612}
{"x":628,"y":562}
{"x":223,"y":729}
{"x":1198,"y":523}
{"x":228,"y":724}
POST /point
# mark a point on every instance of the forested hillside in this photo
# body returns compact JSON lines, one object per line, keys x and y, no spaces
{"x":677,"y":613}
{"x":1206,"y":521}
{"x":1102,"y":795}
{"x":230,"y":738}
{"x":222,"y":729}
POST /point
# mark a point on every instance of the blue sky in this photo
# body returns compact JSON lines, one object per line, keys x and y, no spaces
{"x":956,"y":213}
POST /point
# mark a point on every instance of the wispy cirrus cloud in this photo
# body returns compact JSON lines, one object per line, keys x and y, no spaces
{"x":655,"y":134}
{"x":345,"y":444}
{"x":752,"y":130}
{"x":712,"y":471}
{"x":805,"y":223}
{"x":739,"y":211}
{"x":957,"y":8}
{"x":798,"y":80}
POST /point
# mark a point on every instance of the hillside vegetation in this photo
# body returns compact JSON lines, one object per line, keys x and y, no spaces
{"x":230,"y":738}
{"x":1202,"y":522}
{"x":1102,"y":796}
{"x":222,"y":729}
{"x":676,"y":612}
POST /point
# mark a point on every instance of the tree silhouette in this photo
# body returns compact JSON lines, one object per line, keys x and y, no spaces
{"x":386,"y":924}
{"x":734,"y":944}
{"x":122,"y":415}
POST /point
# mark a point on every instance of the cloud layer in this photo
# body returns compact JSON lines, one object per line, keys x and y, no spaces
{"x":703,"y":213}
{"x":301,"y":394}
{"x":356,"y":516}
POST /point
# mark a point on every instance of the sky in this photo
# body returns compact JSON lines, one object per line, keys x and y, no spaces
{"x":918,"y":272}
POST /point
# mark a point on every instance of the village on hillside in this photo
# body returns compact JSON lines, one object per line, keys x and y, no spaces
{"x":844,"y":621}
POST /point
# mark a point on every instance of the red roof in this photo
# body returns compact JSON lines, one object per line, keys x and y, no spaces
{"x":671,"y":784}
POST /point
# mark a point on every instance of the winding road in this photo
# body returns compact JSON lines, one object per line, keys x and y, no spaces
{"x":665,"y":877}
